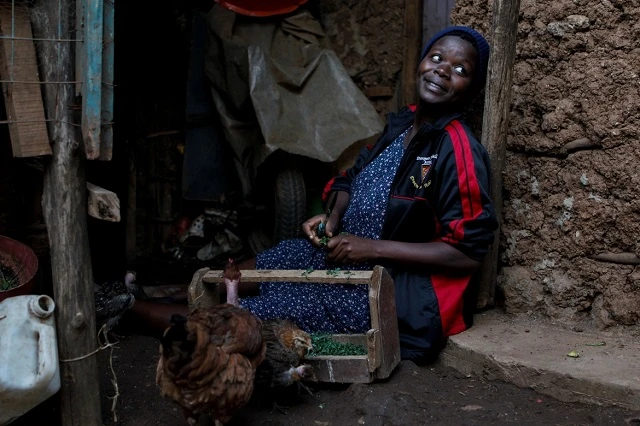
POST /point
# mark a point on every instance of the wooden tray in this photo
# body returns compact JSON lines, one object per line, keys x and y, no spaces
{"x":381,"y":341}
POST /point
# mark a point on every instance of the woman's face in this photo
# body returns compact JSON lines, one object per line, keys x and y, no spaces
{"x":446,"y":72}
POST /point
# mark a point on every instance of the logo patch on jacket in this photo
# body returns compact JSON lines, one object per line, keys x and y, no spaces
{"x":424,"y":170}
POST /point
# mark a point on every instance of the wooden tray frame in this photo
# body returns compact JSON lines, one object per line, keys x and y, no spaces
{"x":381,"y":340}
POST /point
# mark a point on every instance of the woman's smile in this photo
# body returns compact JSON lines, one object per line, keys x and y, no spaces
{"x":435,"y":86}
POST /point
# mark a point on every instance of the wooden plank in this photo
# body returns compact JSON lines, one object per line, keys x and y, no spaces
{"x":92,"y":77}
{"x":340,"y":369}
{"x":373,"y":336}
{"x":497,"y":104}
{"x":354,"y":339}
{"x":25,"y":110}
{"x":436,"y":17}
{"x":295,"y":275}
{"x":374,"y":350}
{"x":79,"y":54}
{"x":106,"y":133}
{"x":65,"y":210}
{"x":102,"y":203}
{"x":389,"y":338}
{"x":412,"y":49}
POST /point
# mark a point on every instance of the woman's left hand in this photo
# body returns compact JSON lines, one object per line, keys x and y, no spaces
{"x":345,"y":248}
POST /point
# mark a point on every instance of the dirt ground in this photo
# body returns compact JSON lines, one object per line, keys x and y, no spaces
{"x":413,"y":395}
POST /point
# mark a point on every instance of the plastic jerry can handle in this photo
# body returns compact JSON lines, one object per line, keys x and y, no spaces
{"x":47,"y":344}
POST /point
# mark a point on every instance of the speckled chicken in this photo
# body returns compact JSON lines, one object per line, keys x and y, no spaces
{"x":112,"y":299}
{"x":208,"y":359}
{"x":287,"y":345}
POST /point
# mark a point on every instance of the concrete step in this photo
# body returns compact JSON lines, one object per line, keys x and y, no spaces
{"x":534,"y":354}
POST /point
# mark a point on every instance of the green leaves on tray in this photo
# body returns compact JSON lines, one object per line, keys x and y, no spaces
{"x":323,"y":344}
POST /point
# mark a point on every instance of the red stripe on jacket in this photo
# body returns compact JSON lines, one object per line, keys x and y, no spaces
{"x":467,"y":181}
{"x":450,"y":290}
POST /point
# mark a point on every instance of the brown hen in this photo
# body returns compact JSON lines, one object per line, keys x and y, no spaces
{"x":208,"y":359}
{"x":287,"y":345}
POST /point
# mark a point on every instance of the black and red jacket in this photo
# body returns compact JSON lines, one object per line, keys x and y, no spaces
{"x":440,"y":193}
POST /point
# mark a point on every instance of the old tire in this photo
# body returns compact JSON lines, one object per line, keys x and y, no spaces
{"x":290,"y":204}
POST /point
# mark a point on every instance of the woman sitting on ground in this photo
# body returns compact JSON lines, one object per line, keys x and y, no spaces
{"x":417,"y":203}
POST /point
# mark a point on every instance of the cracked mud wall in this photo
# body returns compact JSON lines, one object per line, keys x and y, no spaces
{"x":572,"y":177}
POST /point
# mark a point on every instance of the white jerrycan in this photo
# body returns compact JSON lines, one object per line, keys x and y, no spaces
{"x":29,"y":370}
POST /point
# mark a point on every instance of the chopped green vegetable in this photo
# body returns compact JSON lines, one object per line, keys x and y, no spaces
{"x":307,"y":272}
{"x":323,"y":344}
{"x":333,"y":272}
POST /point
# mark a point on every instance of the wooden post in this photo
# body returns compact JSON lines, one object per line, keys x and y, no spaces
{"x":65,"y":209}
{"x":412,"y":49}
{"x":497,"y":103}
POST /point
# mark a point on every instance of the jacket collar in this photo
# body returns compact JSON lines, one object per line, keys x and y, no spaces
{"x":398,"y":122}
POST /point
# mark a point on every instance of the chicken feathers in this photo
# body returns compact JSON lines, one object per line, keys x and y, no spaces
{"x":287,"y":345}
{"x":112,"y":299}
{"x":208,"y":359}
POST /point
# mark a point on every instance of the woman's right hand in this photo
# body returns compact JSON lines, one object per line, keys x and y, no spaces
{"x":310,"y":228}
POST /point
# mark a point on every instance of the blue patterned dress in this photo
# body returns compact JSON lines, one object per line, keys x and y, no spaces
{"x":330,"y":308}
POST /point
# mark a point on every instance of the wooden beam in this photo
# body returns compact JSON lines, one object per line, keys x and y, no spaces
{"x":92,"y":77}
{"x":497,"y":104}
{"x":64,"y":204}
{"x":412,"y":49}
{"x":23,"y":99}
{"x":102,"y":203}
{"x":106,"y":133}
{"x":295,"y":275}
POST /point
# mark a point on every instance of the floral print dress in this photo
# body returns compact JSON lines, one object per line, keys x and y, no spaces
{"x":330,"y":308}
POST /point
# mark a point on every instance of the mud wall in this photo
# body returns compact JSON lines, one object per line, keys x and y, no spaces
{"x":367,"y":36}
{"x":573,"y":161}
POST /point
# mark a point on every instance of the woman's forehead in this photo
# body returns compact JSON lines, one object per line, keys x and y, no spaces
{"x":456,"y":44}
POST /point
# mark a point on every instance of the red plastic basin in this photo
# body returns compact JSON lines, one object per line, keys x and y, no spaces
{"x":21,"y":260}
{"x":261,"y":8}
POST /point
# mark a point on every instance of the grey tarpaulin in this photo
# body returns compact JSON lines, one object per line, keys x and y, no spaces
{"x":277,"y":85}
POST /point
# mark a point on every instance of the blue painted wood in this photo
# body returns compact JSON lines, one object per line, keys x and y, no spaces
{"x":106,"y":133}
{"x":92,"y":77}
